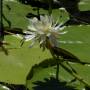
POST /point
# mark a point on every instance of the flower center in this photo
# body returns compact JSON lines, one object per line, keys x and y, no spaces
{"x":47,"y":29}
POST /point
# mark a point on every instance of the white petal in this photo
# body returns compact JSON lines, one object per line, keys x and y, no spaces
{"x":56,"y":23}
{"x":18,"y":36}
{"x":62,"y":9}
{"x":48,"y":34}
{"x":58,"y":27}
{"x":34,"y":20}
{"x":29,"y":32}
{"x":42,"y":18}
{"x":39,"y":26}
{"x":46,"y":20}
{"x":61,"y":28}
{"x":29,"y":37}
{"x":41,"y":41}
{"x":32,"y":44}
{"x":34,"y":23}
{"x":63,"y":32}
{"x":32,"y":28}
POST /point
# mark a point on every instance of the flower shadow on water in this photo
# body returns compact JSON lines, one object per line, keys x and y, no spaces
{"x":51,"y":84}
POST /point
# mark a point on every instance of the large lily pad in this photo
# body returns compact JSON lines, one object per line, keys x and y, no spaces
{"x":15,"y":66}
{"x":77,"y":41}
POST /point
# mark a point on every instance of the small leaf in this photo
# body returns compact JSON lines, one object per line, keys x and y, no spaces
{"x":66,"y":55}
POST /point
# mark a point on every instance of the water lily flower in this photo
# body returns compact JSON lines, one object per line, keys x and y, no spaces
{"x":43,"y":30}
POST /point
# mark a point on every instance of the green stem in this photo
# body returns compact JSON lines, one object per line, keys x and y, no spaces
{"x":57,"y":63}
{"x":38,"y":13}
{"x":50,"y":7}
{"x":57,"y":71}
{"x":1,"y":21}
